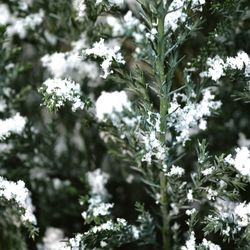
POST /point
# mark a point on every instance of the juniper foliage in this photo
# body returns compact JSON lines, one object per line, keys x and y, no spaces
{"x":128,"y":123}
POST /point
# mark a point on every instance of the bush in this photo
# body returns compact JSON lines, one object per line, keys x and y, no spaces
{"x":124,"y":124}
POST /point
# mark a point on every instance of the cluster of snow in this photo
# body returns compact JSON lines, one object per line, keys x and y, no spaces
{"x":112,"y":2}
{"x":59,"y":91}
{"x":149,"y":139}
{"x":109,"y":104}
{"x":19,"y":25}
{"x":13,"y":125}
{"x":241,"y":161}
{"x":189,"y":118}
{"x":71,"y":64}
{"x":97,"y":205}
{"x":217,"y":66}
{"x":176,"y":171}
{"x":128,"y":24}
{"x":229,"y":211}
{"x":97,"y":180}
{"x":208,"y":171}
{"x":80,"y":8}
{"x":108,"y":54}
{"x":17,"y":192}
{"x":191,"y":244}
{"x":177,"y":12}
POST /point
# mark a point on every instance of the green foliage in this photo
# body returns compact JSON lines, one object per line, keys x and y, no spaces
{"x":137,"y":147}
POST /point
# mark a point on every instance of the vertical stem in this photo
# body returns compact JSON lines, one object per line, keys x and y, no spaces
{"x":164,"y":100}
{"x":164,"y":213}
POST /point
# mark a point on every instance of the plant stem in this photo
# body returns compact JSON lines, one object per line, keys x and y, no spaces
{"x":164,"y":212}
{"x":164,"y":100}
